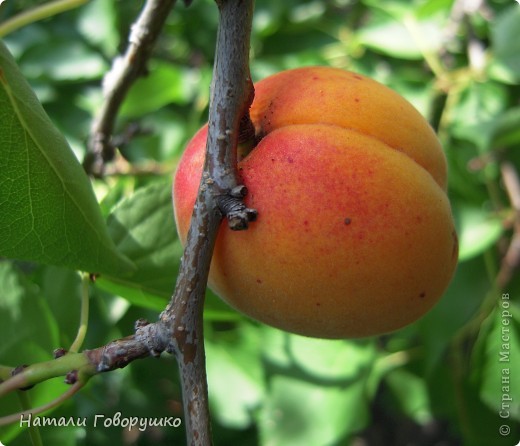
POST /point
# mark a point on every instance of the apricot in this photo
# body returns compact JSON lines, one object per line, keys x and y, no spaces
{"x":354,"y":235}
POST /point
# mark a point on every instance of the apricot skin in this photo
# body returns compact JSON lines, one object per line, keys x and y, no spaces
{"x":354,"y":235}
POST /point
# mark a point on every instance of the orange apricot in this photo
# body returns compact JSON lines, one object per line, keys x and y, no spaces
{"x":354,"y":235}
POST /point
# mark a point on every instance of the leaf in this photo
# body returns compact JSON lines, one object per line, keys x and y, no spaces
{"x":165,"y":84}
{"x":48,"y":211}
{"x":475,"y":113}
{"x":506,"y":129}
{"x":407,"y":38}
{"x":300,"y":412}
{"x":98,"y":23}
{"x":28,"y":333}
{"x":478,"y":231}
{"x":495,"y":366}
{"x":331,"y":359}
{"x":237,"y":361}
{"x":24,"y":319}
{"x":411,"y":395}
{"x":461,"y":301}
{"x":143,"y":229}
{"x":505,"y":66}
{"x":62,"y":60}
{"x":317,"y":389}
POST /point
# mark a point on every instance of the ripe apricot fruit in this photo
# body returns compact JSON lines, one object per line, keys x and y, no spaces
{"x":354,"y":235}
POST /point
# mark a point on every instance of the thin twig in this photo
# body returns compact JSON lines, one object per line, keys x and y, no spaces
{"x":114,"y":355}
{"x":511,"y":260}
{"x":27,"y":376}
{"x":38,"y":13}
{"x":56,"y":402}
{"x":117,"y":82}
{"x":10,"y":385}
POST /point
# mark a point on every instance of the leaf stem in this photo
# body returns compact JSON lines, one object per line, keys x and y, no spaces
{"x":43,"y":371}
{"x":83,"y":323}
{"x":38,"y":13}
{"x":56,"y":402}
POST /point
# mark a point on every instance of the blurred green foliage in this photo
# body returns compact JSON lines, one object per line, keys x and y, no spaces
{"x":445,"y":380}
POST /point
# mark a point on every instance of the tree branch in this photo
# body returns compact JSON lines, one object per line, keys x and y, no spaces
{"x":231,"y":96}
{"x":117,"y":82}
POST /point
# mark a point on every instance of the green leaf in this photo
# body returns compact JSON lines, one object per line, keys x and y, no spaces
{"x":407,"y":38}
{"x":164,"y":84}
{"x":478,"y":230}
{"x":24,"y":319}
{"x":317,"y":389}
{"x":475,"y":113}
{"x":505,"y":66}
{"x":143,"y":229}
{"x":331,"y":359}
{"x":29,"y":333}
{"x":411,"y":395}
{"x":495,"y":363}
{"x":396,"y":8}
{"x":300,"y":412}
{"x":236,"y":361}
{"x":98,"y":23}
{"x":506,"y":129}
{"x":461,"y":301}
{"x":63,"y":60}
{"x":48,"y":211}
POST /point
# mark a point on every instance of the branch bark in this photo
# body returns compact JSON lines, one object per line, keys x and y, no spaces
{"x":117,"y":82}
{"x":231,"y":96}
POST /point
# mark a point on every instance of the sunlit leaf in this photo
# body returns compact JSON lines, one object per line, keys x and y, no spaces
{"x":48,"y":212}
{"x":315,"y":394}
{"x":237,"y":361}
{"x":165,"y":84}
{"x":302,"y":412}
{"x":411,"y":395}
{"x":478,"y":231}
{"x":408,"y":39}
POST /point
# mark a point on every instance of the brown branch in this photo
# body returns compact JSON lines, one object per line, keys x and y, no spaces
{"x":511,"y":260}
{"x":117,"y":82}
{"x":231,"y":96}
